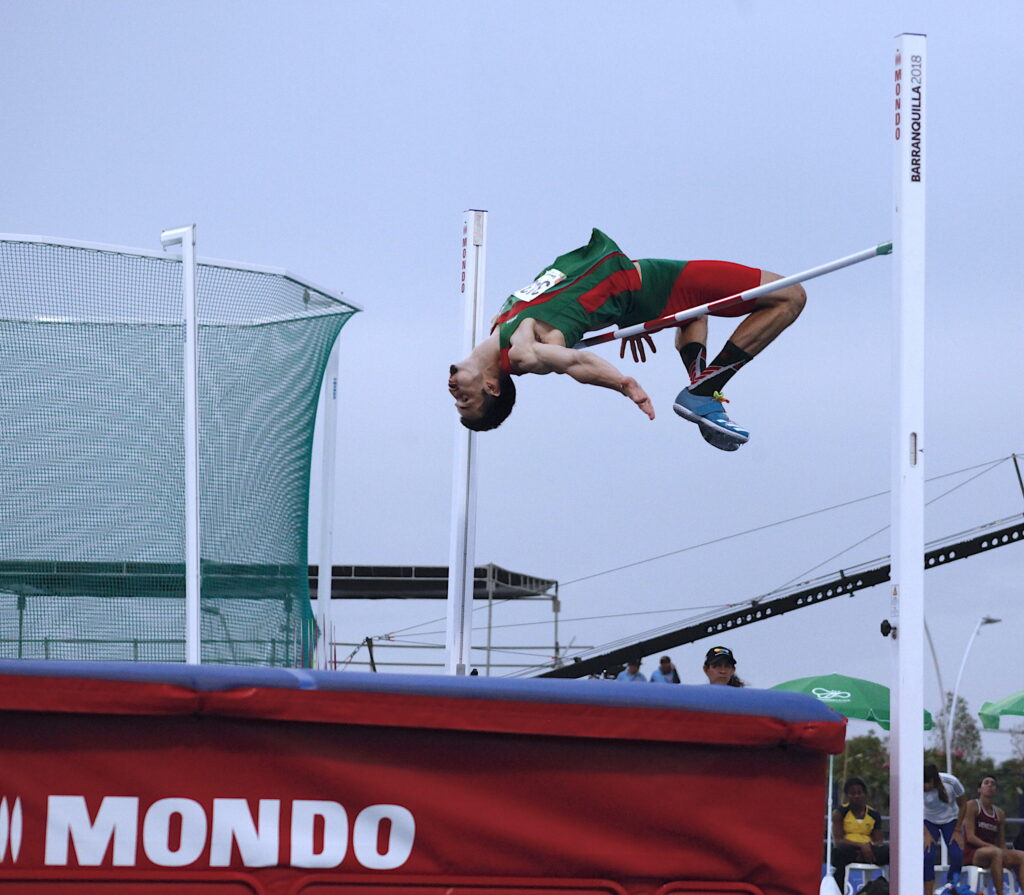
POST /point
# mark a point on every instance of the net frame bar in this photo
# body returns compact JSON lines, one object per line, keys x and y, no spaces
{"x":462,"y":544}
{"x":324,"y":605}
{"x":204,"y":262}
{"x":907,"y":469}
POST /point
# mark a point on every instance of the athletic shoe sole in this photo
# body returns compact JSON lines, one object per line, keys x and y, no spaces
{"x":716,"y":440}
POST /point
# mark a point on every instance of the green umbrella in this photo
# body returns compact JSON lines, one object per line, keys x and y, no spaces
{"x":992,"y":711}
{"x":854,"y":698}
{"x":850,"y":696}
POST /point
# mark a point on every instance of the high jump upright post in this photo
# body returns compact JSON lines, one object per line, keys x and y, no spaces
{"x":186,"y":238}
{"x":462,"y":552}
{"x":907,"y":604}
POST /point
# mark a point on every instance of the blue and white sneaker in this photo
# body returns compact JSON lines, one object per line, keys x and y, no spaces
{"x":710,"y":415}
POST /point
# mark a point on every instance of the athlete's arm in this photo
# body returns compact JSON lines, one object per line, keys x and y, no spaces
{"x":958,"y":831}
{"x":877,"y":836}
{"x":970,"y":838}
{"x":530,"y":356}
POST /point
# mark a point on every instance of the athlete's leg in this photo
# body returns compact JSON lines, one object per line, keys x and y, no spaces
{"x":699,"y":283}
{"x":954,"y":852}
{"x":691,"y":343}
{"x":990,"y":857}
{"x":768,"y":316}
{"x":931,"y":844}
{"x":1013,"y":858}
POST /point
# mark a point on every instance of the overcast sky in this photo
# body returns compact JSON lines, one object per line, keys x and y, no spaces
{"x":343,"y":140}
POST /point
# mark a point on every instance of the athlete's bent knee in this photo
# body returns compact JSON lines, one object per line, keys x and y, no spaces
{"x":796,"y":300}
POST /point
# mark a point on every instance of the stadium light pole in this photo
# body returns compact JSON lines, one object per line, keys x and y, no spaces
{"x":984,"y":620}
{"x":186,"y":238}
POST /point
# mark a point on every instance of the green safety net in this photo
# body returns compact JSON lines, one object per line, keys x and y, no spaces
{"x":92,"y":480}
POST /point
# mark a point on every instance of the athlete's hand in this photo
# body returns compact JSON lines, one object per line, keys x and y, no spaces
{"x":636,"y":346}
{"x":632,"y":390}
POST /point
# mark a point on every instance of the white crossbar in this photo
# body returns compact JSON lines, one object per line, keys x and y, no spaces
{"x":653,"y":326}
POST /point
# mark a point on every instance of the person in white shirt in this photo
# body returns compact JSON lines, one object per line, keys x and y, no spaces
{"x":944,"y":806}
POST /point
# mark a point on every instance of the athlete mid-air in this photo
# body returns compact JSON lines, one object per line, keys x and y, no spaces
{"x":597,"y":286}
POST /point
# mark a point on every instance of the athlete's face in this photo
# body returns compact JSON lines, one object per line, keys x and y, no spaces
{"x":467,"y":388}
{"x":719,"y":673}
{"x":988,"y":787}
{"x":856,"y":796}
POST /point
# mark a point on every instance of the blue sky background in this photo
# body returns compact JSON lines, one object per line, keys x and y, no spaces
{"x":343,"y":140}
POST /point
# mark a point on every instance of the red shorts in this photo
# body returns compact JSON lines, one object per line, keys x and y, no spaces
{"x":673,"y":286}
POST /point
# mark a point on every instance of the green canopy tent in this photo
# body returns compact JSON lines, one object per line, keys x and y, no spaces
{"x":852,"y":697}
{"x":991,"y":712}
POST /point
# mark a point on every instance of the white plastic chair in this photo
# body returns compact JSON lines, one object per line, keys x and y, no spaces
{"x":980,"y":880}
{"x":866,"y":871}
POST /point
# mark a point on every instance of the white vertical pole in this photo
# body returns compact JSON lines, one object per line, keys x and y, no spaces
{"x":907,"y":609}
{"x":186,"y":238}
{"x":329,"y":420}
{"x":462,"y":552}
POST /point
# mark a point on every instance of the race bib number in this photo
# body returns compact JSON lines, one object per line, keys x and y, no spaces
{"x":540,"y":285}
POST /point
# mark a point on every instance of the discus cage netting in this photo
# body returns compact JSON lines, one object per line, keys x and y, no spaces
{"x":92,"y":463}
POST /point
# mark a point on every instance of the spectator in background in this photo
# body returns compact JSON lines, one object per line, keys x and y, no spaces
{"x":856,"y":831}
{"x":632,"y":672}
{"x":665,"y":673}
{"x":720,"y":667}
{"x":985,"y":835}
{"x":944,"y":808}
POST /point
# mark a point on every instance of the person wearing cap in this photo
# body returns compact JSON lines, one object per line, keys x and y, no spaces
{"x":632,"y":672}
{"x":720,"y":667}
{"x":665,"y":673}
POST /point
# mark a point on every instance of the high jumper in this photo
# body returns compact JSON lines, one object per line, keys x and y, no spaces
{"x":597,"y":286}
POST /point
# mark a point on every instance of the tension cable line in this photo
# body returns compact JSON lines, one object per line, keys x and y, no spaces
{"x":928,"y":503}
{"x":991,"y":464}
{"x":986,"y":466}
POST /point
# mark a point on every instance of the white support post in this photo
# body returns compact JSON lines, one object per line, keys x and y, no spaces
{"x":324,"y":606}
{"x":462,"y":552}
{"x":907,"y":608}
{"x":186,"y":238}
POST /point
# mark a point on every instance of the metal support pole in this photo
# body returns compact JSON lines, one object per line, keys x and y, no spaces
{"x":186,"y":238}
{"x":461,"y":557}
{"x":324,"y":604}
{"x":907,"y":605}
{"x":556,"y":607}
{"x":490,"y":616}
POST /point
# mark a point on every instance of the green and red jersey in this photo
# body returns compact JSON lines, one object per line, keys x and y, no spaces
{"x":597,"y":285}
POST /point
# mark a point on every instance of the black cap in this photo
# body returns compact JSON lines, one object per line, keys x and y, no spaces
{"x":719,"y":655}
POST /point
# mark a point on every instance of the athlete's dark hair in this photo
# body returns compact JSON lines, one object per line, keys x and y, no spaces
{"x":496,"y":407}
{"x":931,"y":775}
{"x":854,"y":781}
